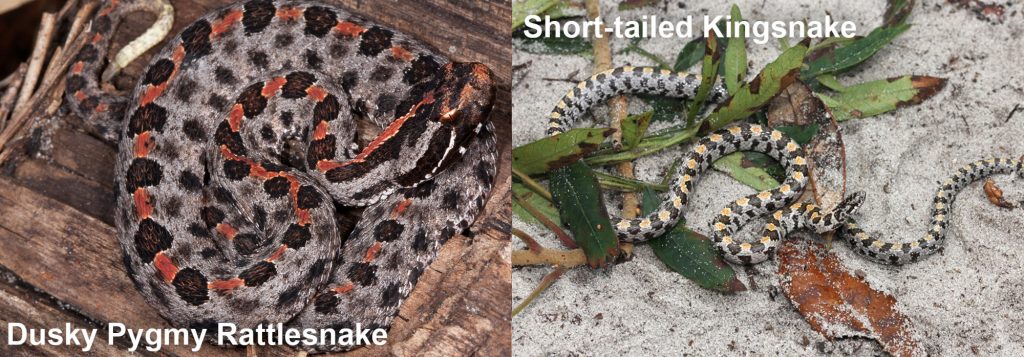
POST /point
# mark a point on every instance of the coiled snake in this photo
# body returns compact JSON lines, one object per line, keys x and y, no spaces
{"x":237,"y":145}
{"x":785,"y":215}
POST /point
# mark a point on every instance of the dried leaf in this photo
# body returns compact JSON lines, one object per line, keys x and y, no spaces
{"x":837,"y":303}
{"x":691,"y":254}
{"x":876,"y":97}
{"x":758,"y":92}
{"x":581,"y":207}
{"x":897,"y":12}
{"x":804,"y":117}
{"x":995,"y":195}
{"x":550,"y":153}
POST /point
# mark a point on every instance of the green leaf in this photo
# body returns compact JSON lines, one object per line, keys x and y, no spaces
{"x":746,"y":172}
{"x":578,"y":198}
{"x":522,"y":9}
{"x":802,"y":134}
{"x":877,"y":97}
{"x":553,"y":152}
{"x":755,"y":94}
{"x":691,"y":53}
{"x":735,"y":61}
{"x":634,"y":128}
{"x":691,"y":255}
{"x":634,"y":47}
{"x":665,"y":108}
{"x":552,"y":45}
{"x":853,"y":53}
{"x":709,"y":74}
{"x":536,"y":201}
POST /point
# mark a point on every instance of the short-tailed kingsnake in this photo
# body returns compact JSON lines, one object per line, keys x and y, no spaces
{"x":786,"y":216}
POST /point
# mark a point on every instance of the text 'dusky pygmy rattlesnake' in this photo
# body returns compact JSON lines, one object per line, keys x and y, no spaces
{"x":237,"y":145}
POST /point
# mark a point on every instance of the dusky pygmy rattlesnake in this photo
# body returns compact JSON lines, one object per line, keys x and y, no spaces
{"x":235,"y":148}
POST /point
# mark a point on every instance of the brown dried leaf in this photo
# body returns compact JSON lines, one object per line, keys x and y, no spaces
{"x":839,"y":304}
{"x":995,"y":195}
{"x":796,"y":106}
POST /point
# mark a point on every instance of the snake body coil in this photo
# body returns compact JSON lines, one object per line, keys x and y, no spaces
{"x":237,"y":146}
{"x":785,"y":215}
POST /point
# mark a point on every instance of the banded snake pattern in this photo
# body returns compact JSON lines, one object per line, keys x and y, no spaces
{"x":784,"y":214}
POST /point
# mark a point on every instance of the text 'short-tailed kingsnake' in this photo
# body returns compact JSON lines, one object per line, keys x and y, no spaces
{"x":237,"y":145}
{"x":785,"y":215}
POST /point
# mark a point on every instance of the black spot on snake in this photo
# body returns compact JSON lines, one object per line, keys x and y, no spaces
{"x":146,"y":118}
{"x":289,"y":296}
{"x":257,"y":15}
{"x":74,"y":83}
{"x":363,"y":274}
{"x":296,"y":84}
{"x":326,"y":303}
{"x":386,"y":104}
{"x":276,"y":187}
{"x":231,"y":139}
{"x":374,"y":41}
{"x":423,"y":67}
{"x":259,"y":59}
{"x":296,"y":236}
{"x":419,"y":241}
{"x":308,"y":197}
{"x":350,"y":79}
{"x":172,"y":206}
{"x":338,"y":50}
{"x":252,"y":100}
{"x":327,"y":109}
{"x":319,"y":20}
{"x":388,"y":230}
{"x":142,"y":172}
{"x":246,"y":243}
{"x":283,"y":39}
{"x":258,"y":274}
{"x":87,"y":54}
{"x":191,"y":286}
{"x":224,"y":75}
{"x":196,"y":40}
{"x":151,"y":238}
{"x":391,"y":295}
{"x":158,"y":72}
{"x":235,"y":169}
{"x":102,"y":24}
{"x":313,"y":60}
{"x":322,"y":149}
{"x":217,"y":101}
{"x":211,"y":216}
{"x":381,"y":73}
{"x":450,"y":201}
{"x":198,"y":230}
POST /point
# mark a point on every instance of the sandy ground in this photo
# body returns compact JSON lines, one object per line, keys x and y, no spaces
{"x":968,"y":300}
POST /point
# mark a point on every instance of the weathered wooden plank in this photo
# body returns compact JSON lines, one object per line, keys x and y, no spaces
{"x":75,"y":258}
{"x":20,"y":306}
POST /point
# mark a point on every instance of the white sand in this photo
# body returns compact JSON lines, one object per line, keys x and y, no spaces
{"x":966,"y":301}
